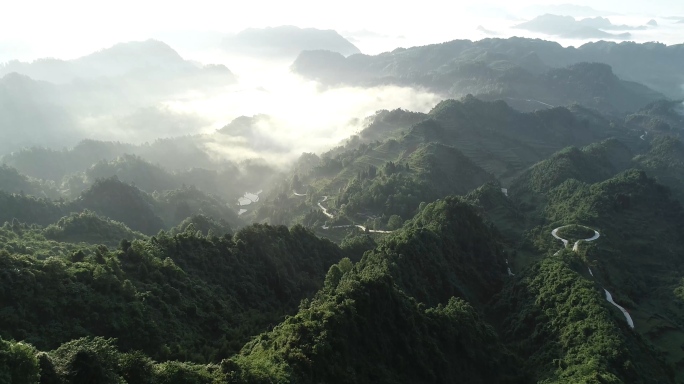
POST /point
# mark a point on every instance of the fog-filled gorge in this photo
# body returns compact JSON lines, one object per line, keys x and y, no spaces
{"x":307,"y":192}
{"x":302,"y":115}
{"x":299,"y":115}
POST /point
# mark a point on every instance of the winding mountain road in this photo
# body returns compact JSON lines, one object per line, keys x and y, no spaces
{"x":330,"y":215}
{"x":324,"y":209}
{"x":554,"y":233}
{"x":609,"y":297}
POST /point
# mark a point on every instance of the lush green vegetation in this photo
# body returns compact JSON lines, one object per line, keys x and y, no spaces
{"x":124,"y":203}
{"x":14,"y":182}
{"x":665,"y":162}
{"x":401,"y":298}
{"x":457,"y":147}
{"x":593,"y":163}
{"x":144,"y":274}
{"x":187,"y":296}
{"x":205,"y":224}
{"x":637,"y":255}
{"x":434,"y":293}
{"x":566,"y":334}
{"x":499,"y":210}
{"x":87,"y":227}
{"x":28,"y":209}
{"x":94,"y":360}
{"x":380,"y":184}
{"x":657,"y":118}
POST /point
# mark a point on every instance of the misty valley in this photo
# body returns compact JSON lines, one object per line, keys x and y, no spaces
{"x":296,"y":205}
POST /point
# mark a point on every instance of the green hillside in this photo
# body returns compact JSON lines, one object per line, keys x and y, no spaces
{"x":665,"y":161}
{"x":637,"y":255}
{"x":345,"y":333}
{"x":112,"y":199}
{"x":426,"y":248}
{"x":88,"y":227}
{"x":11,"y":181}
{"x":504,"y":141}
{"x":596,"y":162}
{"x":565,"y":333}
{"x":185,"y":297}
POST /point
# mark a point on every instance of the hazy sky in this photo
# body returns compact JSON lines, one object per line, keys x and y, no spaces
{"x":70,"y":28}
{"x":304,"y":118}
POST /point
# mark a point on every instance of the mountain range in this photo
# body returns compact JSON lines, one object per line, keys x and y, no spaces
{"x":484,"y":241}
{"x":569,"y":27}
{"x":514,"y":68}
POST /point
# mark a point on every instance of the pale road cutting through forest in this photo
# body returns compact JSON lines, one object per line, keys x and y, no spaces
{"x":330,"y":215}
{"x":609,"y":297}
{"x":325,"y":210}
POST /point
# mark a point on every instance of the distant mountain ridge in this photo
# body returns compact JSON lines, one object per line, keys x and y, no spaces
{"x":118,"y":60}
{"x":567,"y":26}
{"x":500,"y":68}
{"x":51,"y":102}
{"x":287,"y":41}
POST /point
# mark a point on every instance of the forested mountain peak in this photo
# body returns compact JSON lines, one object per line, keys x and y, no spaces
{"x":469,"y":108}
{"x":122,"y":202}
{"x":389,"y":284}
{"x":596,"y":162}
{"x":88,"y":227}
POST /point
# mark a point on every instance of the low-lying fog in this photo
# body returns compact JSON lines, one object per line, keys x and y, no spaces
{"x":301,"y":116}
{"x":297,"y":115}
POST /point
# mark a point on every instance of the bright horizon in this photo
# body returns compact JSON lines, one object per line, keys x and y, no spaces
{"x":304,"y":117}
{"x":74,"y":28}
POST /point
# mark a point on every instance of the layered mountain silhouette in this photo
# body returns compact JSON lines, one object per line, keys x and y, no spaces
{"x":287,"y":42}
{"x":516,"y":68}
{"x":569,"y":27}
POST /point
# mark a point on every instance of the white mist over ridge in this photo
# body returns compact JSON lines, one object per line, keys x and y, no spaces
{"x":299,"y":115}
{"x":302,"y":117}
